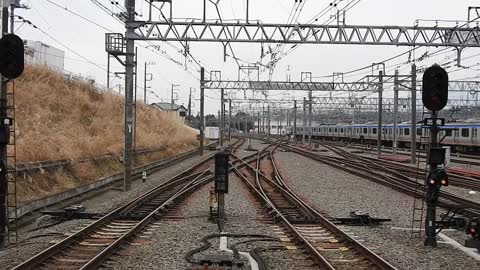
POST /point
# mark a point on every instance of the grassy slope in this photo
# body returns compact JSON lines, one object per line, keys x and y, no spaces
{"x":59,"y":120}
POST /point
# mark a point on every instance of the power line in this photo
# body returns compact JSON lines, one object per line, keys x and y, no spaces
{"x":60,"y":43}
{"x":78,"y":15}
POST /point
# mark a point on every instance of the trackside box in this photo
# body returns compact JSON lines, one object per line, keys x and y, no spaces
{"x":212,"y":133}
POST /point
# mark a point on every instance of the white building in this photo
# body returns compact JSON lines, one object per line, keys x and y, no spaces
{"x":39,"y":53}
{"x":176,"y":111}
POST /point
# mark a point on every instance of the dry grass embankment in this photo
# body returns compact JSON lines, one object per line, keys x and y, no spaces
{"x":56,"y":119}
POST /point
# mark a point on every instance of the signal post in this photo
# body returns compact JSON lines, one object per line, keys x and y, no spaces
{"x":434,"y":97}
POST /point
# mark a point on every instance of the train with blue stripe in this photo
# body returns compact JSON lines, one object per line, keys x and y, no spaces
{"x":461,"y":136}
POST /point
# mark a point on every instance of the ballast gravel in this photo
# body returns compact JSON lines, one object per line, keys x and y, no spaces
{"x":101,"y":203}
{"x":173,"y":239}
{"x":336,"y":193}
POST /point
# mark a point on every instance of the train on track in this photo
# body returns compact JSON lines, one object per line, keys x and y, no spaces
{"x":461,"y":136}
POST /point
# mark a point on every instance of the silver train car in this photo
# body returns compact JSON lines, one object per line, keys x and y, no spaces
{"x":462,"y":136}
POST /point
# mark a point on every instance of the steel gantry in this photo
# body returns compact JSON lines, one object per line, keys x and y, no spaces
{"x":454,"y":86}
{"x":215,"y":31}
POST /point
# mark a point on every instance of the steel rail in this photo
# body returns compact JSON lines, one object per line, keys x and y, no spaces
{"x":319,"y":258}
{"x":49,"y":164}
{"x":198,"y":179}
{"x":408,"y":187}
{"x":364,"y":250}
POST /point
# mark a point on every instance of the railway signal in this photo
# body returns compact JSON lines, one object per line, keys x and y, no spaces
{"x":435,"y":88}
{"x":435,"y":98}
{"x":11,"y":56}
{"x":221,"y":185}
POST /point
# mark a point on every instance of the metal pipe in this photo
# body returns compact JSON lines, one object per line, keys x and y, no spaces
{"x":310,"y":118}
{"x":222,"y":123}
{"x":202,"y":117}
{"x":413,"y":124}
{"x":108,"y":71}
{"x":304,"y":120}
{"x":135,"y":104}
{"x":380,"y":114}
{"x":229,"y":120}
{"x":294,"y":120}
{"x":395,"y":111}
{"x":145,"y":85}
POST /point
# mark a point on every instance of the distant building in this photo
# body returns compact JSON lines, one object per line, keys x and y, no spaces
{"x":39,"y":53}
{"x":178,"y":111}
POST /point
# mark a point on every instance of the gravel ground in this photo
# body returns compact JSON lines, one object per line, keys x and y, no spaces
{"x":102,"y":203}
{"x":458,"y":191}
{"x":171,"y":241}
{"x":337,"y":193}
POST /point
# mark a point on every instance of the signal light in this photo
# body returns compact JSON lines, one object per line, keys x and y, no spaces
{"x":435,"y":88}
{"x":438,"y":177}
{"x":11,"y":56}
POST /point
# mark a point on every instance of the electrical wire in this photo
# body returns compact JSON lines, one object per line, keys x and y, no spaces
{"x":60,"y":43}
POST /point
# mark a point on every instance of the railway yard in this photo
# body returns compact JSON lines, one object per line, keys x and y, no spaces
{"x":239,"y":135}
{"x":283,"y":208}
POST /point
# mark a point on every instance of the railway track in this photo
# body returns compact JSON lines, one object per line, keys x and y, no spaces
{"x":91,"y":246}
{"x":454,"y":179}
{"x":328,"y":245}
{"x":456,"y":158}
{"x":383,"y":173}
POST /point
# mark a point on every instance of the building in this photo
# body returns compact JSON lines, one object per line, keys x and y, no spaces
{"x":178,"y":111}
{"x":39,"y":53}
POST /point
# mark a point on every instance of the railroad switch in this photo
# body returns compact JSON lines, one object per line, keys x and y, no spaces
{"x":72,"y":212}
{"x":359,"y":218}
{"x":218,"y":262}
{"x":451,"y":221}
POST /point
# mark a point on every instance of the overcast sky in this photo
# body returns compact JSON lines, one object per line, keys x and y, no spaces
{"x":85,"y":40}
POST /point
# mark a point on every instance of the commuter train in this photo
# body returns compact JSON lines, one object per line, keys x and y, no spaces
{"x":462,"y":136}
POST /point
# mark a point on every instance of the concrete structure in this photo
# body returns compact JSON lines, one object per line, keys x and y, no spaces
{"x":39,"y":53}
{"x":178,"y":111}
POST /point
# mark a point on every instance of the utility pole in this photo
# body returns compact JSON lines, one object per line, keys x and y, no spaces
{"x":129,"y":70}
{"x":413,"y":143}
{"x":268,"y":119}
{"x":229,"y":119}
{"x":190,"y":105}
{"x":146,"y":78}
{"x":294,"y":121}
{"x":380,"y":114}
{"x":263,"y":118}
{"x":279,"y":123}
{"x":246,"y":124}
{"x":145,"y":85}
{"x":202,"y":116}
{"x":222,"y":114}
{"x":108,"y":71}
{"x":3,"y":147}
{"x":310,"y":118}
{"x":135,"y":105}
{"x":395,"y":111}
{"x":304,"y":120}
{"x":258,"y":122}
{"x":173,"y":88}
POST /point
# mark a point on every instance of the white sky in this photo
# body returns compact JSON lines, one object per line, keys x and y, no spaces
{"x":87,"y":40}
